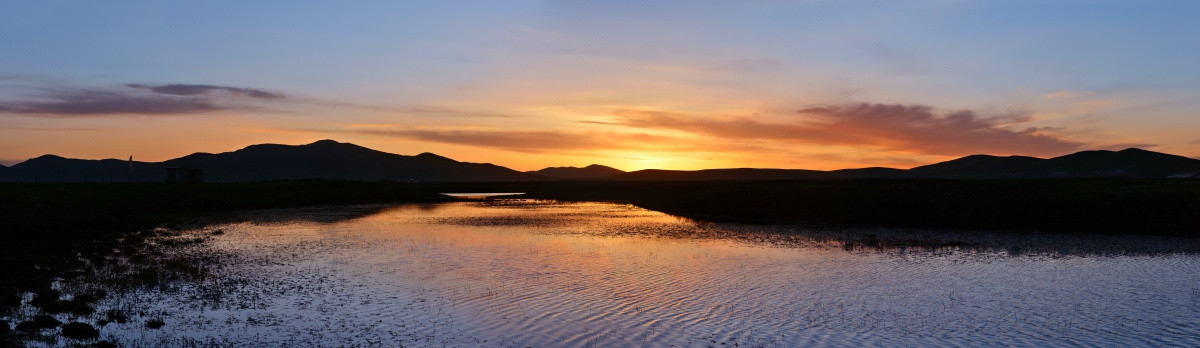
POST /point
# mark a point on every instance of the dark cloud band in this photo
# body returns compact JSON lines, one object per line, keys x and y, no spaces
{"x":136,"y":99}
{"x":893,"y":127}
{"x":192,"y":90}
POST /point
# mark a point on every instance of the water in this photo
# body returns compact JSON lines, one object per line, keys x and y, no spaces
{"x":481,"y":195}
{"x":535,"y":273}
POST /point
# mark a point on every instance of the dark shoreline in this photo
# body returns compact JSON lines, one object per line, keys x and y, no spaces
{"x":50,"y":229}
{"x":1109,"y":206}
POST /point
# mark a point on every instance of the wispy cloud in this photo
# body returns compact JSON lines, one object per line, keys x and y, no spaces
{"x":913,"y":128}
{"x":87,"y":102}
{"x":514,"y":140}
{"x":134,"y":99}
{"x":51,"y":98}
{"x":541,"y":141}
{"x":759,"y":64}
{"x":411,"y":110}
{"x":1067,"y":94}
{"x":1122,"y":146}
{"x":207,"y":90}
{"x":16,"y":77}
{"x":53,"y":129}
{"x":895,"y":59}
{"x":887,"y":161}
{"x":532,"y":141}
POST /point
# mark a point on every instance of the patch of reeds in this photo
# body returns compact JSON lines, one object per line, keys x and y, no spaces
{"x":139,"y":261}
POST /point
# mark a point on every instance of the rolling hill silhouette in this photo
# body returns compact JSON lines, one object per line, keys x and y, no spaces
{"x":758,"y":174}
{"x":51,"y":168}
{"x":1133,"y":163}
{"x":328,"y":159}
{"x":590,"y":172}
{"x":325,"y":159}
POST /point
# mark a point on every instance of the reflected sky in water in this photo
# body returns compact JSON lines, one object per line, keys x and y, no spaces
{"x":536,"y":273}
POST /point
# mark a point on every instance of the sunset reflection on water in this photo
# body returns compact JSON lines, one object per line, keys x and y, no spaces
{"x":540,"y":273}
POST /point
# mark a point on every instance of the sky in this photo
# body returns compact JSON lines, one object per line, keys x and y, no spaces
{"x":631,"y":84}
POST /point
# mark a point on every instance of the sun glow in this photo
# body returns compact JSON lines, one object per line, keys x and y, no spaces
{"x":639,"y":160}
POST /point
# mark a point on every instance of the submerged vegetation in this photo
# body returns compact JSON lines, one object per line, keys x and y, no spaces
{"x":63,"y":231}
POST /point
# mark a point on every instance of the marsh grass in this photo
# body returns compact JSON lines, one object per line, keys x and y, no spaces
{"x":155,"y":259}
{"x":68,"y":233}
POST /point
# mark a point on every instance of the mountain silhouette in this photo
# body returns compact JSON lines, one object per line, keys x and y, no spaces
{"x":590,"y":172}
{"x":325,"y":159}
{"x":328,"y":159}
{"x":51,"y":168}
{"x":1132,"y":163}
{"x":758,"y":174}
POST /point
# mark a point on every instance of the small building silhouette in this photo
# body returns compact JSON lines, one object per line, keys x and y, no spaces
{"x":185,"y":175}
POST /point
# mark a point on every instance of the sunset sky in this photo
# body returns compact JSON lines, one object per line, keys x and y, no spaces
{"x":631,"y":84}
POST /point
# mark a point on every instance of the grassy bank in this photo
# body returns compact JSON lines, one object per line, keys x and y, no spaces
{"x":1125,"y":206}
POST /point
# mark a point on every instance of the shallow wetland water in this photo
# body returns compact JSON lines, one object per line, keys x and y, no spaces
{"x":539,"y":273}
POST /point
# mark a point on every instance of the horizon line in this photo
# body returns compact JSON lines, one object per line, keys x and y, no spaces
{"x":17,"y":162}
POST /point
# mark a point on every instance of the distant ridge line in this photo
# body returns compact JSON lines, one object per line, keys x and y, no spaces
{"x":329,"y":159}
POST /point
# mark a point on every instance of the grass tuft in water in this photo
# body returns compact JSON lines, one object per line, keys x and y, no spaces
{"x":79,"y":331}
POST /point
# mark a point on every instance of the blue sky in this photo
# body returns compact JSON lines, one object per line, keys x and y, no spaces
{"x":633,"y":84}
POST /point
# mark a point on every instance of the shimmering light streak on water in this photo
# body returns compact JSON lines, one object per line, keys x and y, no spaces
{"x":530,"y":273}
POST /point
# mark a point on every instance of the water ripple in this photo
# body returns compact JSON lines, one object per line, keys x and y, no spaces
{"x":537,"y":273}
